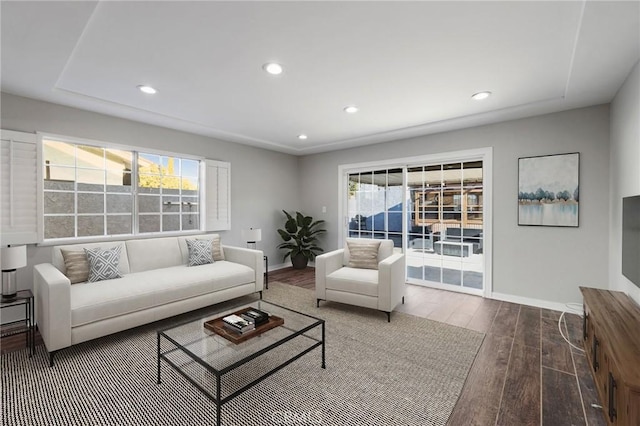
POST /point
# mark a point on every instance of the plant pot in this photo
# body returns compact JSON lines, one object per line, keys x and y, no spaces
{"x":299,"y":261}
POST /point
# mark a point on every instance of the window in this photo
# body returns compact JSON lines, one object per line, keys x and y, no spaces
{"x":167,"y":195}
{"x":97,"y":191}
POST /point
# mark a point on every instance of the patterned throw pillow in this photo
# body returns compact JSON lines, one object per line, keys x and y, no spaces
{"x":363,"y":254}
{"x":76,"y":264}
{"x":200,"y":252}
{"x":103,"y":264}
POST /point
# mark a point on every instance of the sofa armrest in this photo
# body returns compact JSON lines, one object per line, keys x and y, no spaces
{"x":52,"y":293}
{"x":391,"y":282}
{"x":254,"y":259}
{"x":326,"y":264}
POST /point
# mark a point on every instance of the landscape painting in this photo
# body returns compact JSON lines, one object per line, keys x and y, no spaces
{"x":548,"y":190}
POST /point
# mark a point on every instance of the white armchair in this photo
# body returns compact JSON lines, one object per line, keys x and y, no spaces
{"x":365,"y":273}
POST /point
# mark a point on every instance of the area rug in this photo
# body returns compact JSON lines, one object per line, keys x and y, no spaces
{"x":407,"y":372}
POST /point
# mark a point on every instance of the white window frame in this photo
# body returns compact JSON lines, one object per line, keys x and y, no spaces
{"x":202,"y":197}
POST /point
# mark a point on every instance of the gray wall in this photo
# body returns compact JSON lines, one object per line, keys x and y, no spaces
{"x":542,"y":263}
{"x":262,"y":182}
{"x":625,"y":171}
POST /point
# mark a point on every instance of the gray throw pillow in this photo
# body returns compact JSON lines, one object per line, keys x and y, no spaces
{"x":200,"y":252}
{"x":363,"y":254}
{"x":103,"y":263}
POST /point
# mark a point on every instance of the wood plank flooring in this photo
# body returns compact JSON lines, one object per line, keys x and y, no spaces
{"x":524,"y":373}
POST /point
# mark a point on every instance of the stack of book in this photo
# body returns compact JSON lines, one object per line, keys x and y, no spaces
{"x":257,"y":316}
{"x":245,"y":321}
{"x":238,"y":324}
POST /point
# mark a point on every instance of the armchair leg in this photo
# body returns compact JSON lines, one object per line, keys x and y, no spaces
{"x":403,"y":300}
{"x":388,"y":316}
{"x":318,"y":303}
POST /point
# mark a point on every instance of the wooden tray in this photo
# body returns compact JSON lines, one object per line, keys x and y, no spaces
{"x":217,"y":326}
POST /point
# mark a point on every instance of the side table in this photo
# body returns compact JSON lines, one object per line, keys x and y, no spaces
{"x":25,"y":325}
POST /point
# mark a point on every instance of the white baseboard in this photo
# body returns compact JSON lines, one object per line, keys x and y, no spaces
{"x":538,"y":303}
{"x":286,"y":265}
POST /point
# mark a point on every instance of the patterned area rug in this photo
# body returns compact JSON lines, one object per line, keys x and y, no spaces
{"x":407,"y":372}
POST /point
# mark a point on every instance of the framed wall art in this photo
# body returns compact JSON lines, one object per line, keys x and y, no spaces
{"x":548,"y":190}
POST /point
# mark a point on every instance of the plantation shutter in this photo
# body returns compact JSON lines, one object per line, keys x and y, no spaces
{"x":217,"y":195}
{"x":18,"y":188}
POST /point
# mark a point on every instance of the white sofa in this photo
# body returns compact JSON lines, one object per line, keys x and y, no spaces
{"x":380,"y":287}
{"x":156,"y":283}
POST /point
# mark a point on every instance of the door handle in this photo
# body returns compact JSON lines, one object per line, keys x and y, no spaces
{"x":612,"y":409}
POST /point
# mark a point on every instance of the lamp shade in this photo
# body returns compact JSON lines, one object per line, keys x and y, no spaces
{"x":13,"y":257}
{"x":252,"y":235}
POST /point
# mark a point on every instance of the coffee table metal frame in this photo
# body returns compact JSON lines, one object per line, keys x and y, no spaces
{"x":219,"y":373}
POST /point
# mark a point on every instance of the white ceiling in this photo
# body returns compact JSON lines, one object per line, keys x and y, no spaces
{"x":411,"y":67}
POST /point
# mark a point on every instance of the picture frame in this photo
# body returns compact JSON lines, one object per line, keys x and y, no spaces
{"x":549,"y":190}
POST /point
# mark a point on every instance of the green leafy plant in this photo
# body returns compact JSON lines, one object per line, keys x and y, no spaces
{"x":300,"y":235}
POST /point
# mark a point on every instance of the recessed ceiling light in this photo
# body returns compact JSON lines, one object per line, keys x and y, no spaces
{"x":351,"y":109}
{"x":480,"y":95}
{"x":272,"y":68}
{"x":147,"y":89}
{"x":302,"y":137}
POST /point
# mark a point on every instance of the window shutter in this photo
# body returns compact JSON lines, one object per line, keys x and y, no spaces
{"x":19,"y":187}
{"x":217,"y":195}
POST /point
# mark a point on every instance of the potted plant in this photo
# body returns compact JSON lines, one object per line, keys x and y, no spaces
{"x":300,"y":235}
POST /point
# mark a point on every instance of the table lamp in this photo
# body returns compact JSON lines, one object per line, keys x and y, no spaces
{"x":11,"y":258}
{"x":252,"y":236}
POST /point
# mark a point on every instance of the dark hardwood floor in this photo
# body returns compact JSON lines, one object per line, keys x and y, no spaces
{"x":524,"y":374}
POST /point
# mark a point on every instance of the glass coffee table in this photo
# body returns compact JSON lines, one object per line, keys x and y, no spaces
{"x":222,"y":369}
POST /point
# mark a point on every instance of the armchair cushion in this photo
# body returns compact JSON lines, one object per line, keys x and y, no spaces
{"x":363,"y":254}
{"x":354,"y":280}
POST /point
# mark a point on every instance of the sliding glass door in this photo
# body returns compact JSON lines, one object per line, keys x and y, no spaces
{"x":445,"y":237}
{"x":435,"y":213}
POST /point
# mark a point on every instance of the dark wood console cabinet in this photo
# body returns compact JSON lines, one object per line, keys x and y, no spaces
{"x":611,"y":331}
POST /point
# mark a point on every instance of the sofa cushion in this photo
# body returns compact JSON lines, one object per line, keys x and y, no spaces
{"x":76,"y":265}
{"x":199,"y":252}
{"x":363,"y":254}
{"x":92,"y":302}
{"x":354,"y":280}
{"x":103,"y":263}
{"x":154,"y":253}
